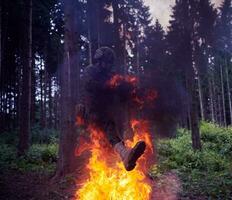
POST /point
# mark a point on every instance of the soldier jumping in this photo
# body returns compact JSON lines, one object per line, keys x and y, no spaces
{"x":101,"y":105}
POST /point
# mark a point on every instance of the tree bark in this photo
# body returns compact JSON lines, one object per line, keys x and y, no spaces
{"x":0,"y":41}
{"x":89,"y":3}
{"x":223,"y":96}
{"x":45,"y":98}
{"x":191,"y":85}
{"x":196,"y":140}
{"x":192,"y":74}
{"x":228,"y":92}
{"x":138,"y":55}
{"x":33,"y":94}
{"x":219,"y":111}
{"x":24,"y":129}
{"x":117,"y":41}
{"x":214,"y":98}
{"x":1,"y":117}
{"x":69,"y":92}
{"x":201,"y":97}
{"x":42,"y":123}
{"x":50,"y":102}
{"x":56,"y":110}
{"x":211,"y":96}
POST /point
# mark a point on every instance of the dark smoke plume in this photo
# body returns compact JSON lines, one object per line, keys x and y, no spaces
{"x":166,"y":111}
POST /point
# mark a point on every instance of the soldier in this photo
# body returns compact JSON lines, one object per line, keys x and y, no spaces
{"x":101,"y":105}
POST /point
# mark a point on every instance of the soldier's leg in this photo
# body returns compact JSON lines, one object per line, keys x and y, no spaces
{"x":128,"y":156}
{"x":112,"y":133}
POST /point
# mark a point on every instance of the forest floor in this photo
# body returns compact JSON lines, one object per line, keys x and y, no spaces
{"x":181,"y":173}
{"x":16,"y":185}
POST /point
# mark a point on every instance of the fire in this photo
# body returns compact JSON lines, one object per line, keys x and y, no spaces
{"x":107,"y":178}
{"x":147,"y":97}
{"x":80,"y":121}
{"x":140,"y":96}
{"x":117,"y":79}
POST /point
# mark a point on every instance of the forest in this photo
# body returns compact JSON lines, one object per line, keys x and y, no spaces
{"x":184,"y":70}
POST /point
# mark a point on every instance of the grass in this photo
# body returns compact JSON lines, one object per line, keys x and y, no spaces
{"x":205,"y":173}
{"x":40,"y":158}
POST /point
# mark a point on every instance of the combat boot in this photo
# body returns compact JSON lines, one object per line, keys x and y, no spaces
{"x":130,"y":156}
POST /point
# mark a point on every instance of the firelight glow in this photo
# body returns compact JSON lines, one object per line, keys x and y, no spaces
{"x":109,"y":180}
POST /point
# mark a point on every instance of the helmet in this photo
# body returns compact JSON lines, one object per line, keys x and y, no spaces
{"x":104,"y":54}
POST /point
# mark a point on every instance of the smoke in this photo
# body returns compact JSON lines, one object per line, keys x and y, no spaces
{"x":155,"y":98}
{"x":167,"y":109}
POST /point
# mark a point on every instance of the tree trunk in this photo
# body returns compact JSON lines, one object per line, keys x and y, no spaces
{"x":196,"y":140}
{"x":212,"y":112}
{"x":45,"y":99}
{"x":55,"y":110}
{"x":89,"y":10}
{"x":219,"y":111}
{"x":223,"y":96}
{"x":138,"y":55}
{"x":24,"y":129}
{"x":42,"y":123}
{"x":33,"y":94}
{"x":214,"y":98}
{"x":192,"y":74}
{"x":200,"y":97}
{"x":50,"y":102}
{"x":1,"y":117}
{"x":69,"y":92}
{"x":228,"y":92}
{"x":117,"y":41}
{"x":0,"y":41}
{"x":188,"y":120}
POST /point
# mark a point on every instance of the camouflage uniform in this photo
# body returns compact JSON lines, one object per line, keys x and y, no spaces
{"x":104,"y":105}
{"x":101,"y":101}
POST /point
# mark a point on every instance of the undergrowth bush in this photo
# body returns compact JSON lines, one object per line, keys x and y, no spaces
{"x":207,"y":172}
{"x":42,"y":154}
{"x":43,"y":136}
{"x":10,"y":138}
{"x":39,"y":157}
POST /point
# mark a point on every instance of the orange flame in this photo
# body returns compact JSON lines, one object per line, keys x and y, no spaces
{"x":117,"y":79}
{"x":107,"y":177}
{"x":80,"y":121}
{"x":147,"y":99}
{"x":148,"y":95}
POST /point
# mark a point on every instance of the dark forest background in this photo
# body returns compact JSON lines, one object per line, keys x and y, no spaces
{"x":46,"y":44}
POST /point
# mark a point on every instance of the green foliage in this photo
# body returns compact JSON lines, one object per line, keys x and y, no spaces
{"x":38,"y":136}
{"x":217,"y":138}
{"x":207,"y":172}
{"x":39,"y":157}
{"x":7,"y":155}
{"x":45,"y":135}
{"x":10,"y":138}
{"x":43,"y":153}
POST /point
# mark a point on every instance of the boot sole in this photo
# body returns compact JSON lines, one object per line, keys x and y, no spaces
{"x":136,"y":153}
